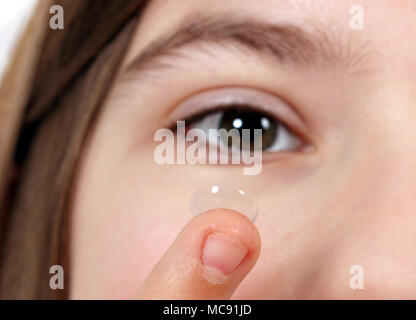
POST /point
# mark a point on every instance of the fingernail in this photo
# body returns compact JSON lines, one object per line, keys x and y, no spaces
{"x":221,"y":256}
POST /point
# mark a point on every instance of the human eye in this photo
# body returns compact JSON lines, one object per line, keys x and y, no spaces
{"x":276,"y":136}
{"x":237,"y":109}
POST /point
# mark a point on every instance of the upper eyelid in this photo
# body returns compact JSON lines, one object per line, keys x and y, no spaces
{"x":198,"y":116}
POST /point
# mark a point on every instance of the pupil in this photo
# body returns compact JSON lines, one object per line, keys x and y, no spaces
{"x":246,"y":119}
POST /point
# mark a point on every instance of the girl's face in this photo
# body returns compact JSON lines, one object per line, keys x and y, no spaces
{"x":338,"y":189}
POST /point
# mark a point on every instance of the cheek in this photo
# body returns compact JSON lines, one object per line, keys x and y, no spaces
{"x":114,"y":254}
{"x":135,"y":245}
{"x":122,"y":224}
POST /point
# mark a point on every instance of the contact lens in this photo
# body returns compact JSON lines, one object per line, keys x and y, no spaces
{"x":217,"y":197}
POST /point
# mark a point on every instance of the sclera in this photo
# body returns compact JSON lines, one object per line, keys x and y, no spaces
{"x":217,"y":197}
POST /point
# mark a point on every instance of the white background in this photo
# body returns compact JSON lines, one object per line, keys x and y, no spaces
{"x":14,"y":15}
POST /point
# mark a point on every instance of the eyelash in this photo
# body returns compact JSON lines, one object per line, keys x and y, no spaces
{"x":199,"y":116}
{"x":221,"y":108}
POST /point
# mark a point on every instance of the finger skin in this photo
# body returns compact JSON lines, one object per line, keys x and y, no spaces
{"x":182,"y":272}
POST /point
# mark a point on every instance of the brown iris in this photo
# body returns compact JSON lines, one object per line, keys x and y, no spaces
{"x":247,"y":119}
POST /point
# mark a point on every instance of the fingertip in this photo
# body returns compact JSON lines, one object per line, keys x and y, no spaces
{"x":208,"y":260}
{"x":229,"y":223}
{"x":229,"y":244}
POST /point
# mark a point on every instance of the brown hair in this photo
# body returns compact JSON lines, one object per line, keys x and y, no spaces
{"x":49,"y":100}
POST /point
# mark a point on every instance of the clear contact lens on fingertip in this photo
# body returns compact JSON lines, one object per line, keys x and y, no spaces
{"x":218,"y":197}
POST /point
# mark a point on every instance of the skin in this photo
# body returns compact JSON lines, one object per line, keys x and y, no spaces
{"x":348,"y":200}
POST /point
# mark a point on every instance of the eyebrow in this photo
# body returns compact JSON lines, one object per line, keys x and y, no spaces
{"x":287,"y":43}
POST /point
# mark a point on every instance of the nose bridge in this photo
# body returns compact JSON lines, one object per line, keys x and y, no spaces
{"x":387,"y":195}
{"x":390,"y":144}
{"x":393,"y":186}
{"x":378,"y":175}
{"x":392,"y":175}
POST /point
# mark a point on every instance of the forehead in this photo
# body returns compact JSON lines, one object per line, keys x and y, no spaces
{"x":302,"y":11}
{"x":380,"y":16}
